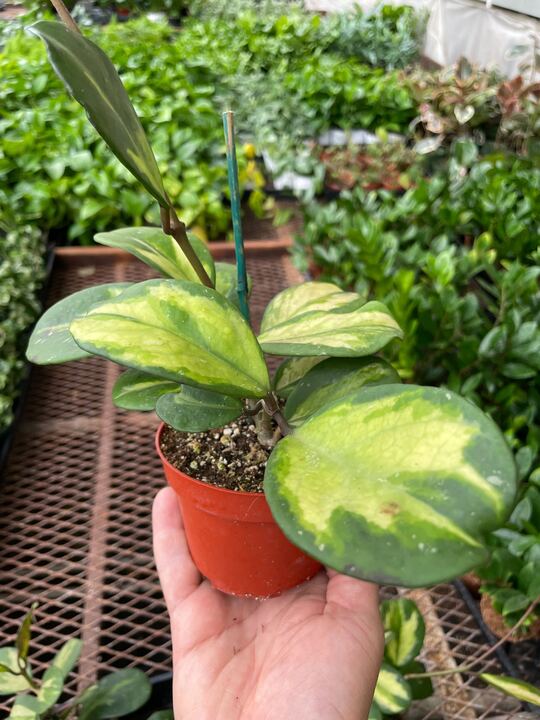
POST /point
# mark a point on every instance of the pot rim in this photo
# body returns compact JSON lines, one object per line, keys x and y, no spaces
{"x":223,"y":491}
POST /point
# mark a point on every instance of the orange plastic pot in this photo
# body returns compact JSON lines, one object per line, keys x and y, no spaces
{"x":233,"y":538}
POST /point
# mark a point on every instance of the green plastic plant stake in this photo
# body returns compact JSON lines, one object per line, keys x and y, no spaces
{"x":232,"y":169}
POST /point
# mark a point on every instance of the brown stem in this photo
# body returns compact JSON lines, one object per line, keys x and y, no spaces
{"x":172,"y":225}
{"x":65,"y":15}
{"x":484,"y":655}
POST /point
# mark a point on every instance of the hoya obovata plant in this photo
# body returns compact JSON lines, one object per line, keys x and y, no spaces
{"x":382,"y":481}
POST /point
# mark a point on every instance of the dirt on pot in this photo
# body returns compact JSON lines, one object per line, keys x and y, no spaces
{"x":230,"y":457}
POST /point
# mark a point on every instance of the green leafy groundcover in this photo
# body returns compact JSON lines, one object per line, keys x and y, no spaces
{"x":59,"y":173}
{"x":456,"y":260}
{"x":21,"y":275}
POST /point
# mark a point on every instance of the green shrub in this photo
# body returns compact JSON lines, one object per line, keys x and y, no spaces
{"x":457,"y":263}
{"x":269,"y":69}
{"x":21,"y":275}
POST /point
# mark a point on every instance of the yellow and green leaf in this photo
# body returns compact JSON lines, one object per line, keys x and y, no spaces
{"x":136,"y":390}
{"x":394,"y":484}
{"x":519,"y":689}
{"x":290,"y":372}
{"x":227,"y":282}
{"x":93,"y":81}
{"x":392,"y":692}
{"x":51,"y":341}
{"x":299,"y":299}
{"x":405,"y":626}
{"x":160,"y":251}
{"x":332,"y":379}
{"x":179,"y":331}
{"x":318,"y":319}
{"x":196,"y":410}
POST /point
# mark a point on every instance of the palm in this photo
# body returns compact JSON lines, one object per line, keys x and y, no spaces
{"x":313,"y":652}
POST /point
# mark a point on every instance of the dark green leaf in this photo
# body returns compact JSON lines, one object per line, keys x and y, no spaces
{"x":22,"y":642}
{"x":93,"y":81}
{"x":136,"y":390}
{"x":421,"y":688}
{"x":195,"y":410}
{"x":116,"y":695}
{"x":333,"y":379}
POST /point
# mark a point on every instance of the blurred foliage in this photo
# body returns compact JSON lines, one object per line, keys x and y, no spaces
{"x":55,"y":170}
{"x":21,"y":276}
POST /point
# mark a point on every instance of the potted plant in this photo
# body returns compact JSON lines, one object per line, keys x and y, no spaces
{"x":382,"y":481}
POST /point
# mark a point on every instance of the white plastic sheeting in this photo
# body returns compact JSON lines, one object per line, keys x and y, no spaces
{"x":484,"y":34}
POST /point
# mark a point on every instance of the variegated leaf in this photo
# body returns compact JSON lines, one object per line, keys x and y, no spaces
{"x":392,"y":692}
{"x":519,"y":689}
{"x":160,"y":251}
{"x":374,"y":712}
{"x":195,"y":410}
{"x":303,"y":298}
{"x":51,"y":341}
{"x":332,"y":379}
{"x":93,"y":81}
{"x":179,"y":331}
{"x":337,"y":324}
{"x":291,"y":371}
{"x":226,"y":282}
{"x":394,"y":484}
{"x":136,"y":390}
{"x":405,"y":625}
{"x":10,"y":683}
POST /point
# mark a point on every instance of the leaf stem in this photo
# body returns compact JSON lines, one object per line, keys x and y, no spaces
{"x":468,"y":667}
{"x":65,"y":15}
{"x":172,"y":225}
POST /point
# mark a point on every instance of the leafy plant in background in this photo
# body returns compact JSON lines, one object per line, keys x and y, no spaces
{"x":390,"y":37}
{"x":512,"y":579}
{"x":21,"y":274}
{"x":455,"y":102}
{"x":114,"y":695}
{"x":458,"y":265}
{"x":203,"y":366}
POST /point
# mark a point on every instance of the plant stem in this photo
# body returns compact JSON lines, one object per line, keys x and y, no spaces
{"x":65,"y":15}
{"x":232,"y":171}
{"x":484,"y":655}
{"x":172,"y":225}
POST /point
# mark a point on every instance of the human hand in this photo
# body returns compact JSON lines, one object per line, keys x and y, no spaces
{"x":312,"y":653}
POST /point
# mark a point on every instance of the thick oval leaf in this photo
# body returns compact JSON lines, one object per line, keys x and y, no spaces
{"x":136,"y":390}
{"x":395,"y":484}
{"x":160,"y":251}
{"x":195,"y":410}
{"x":519,"y":689}
{"x":405,"y":625}
{"x":51,"y":342}
{"x":303,"y":298}
{"x":392,"y":692}
{"x":11,"y":684}
{"x":116,"y":695}
{"x":68,"y":656}
{"x":93,"y":81}
{"x":227,"y":282}
{"x":332,"y":379}
{"x":421,"y":688}
{"x":348,"y":329}
{"x":180,"y":331}
{"x":290,"y":372}
{"x":25,"y":707}
{"x":51,"y":688}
